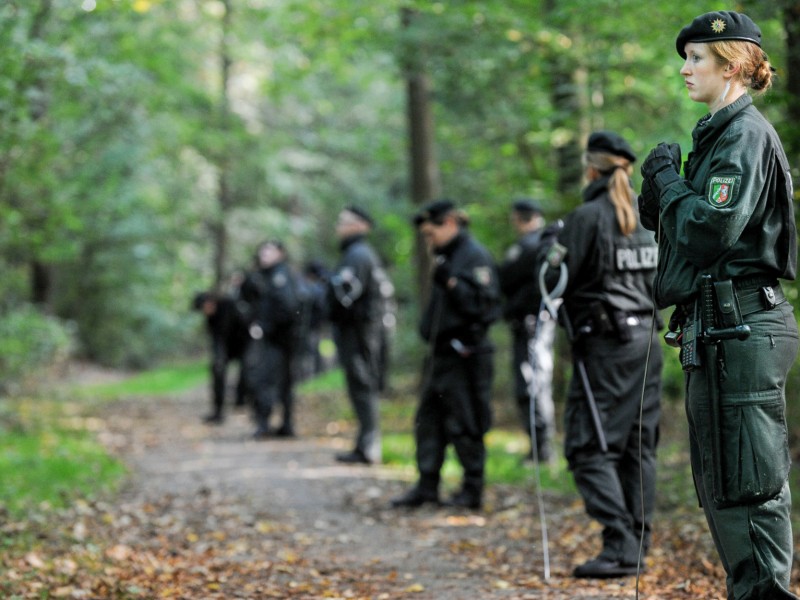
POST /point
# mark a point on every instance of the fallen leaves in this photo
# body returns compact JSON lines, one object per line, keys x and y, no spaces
{"x":214,"y":542}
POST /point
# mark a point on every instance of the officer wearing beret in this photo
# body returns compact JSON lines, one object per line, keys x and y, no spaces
{"x":730,"y":217}
{"x":532,"y":332}
{"x":608,"y":310}
{"x":457,"y":375}
{"x":270,"y":305}
{"x":356,"y":297}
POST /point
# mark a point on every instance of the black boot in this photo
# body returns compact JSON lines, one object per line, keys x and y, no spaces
{"x":416,"y":497}
{"x":604,"y":568}
{"x":465,"y":498}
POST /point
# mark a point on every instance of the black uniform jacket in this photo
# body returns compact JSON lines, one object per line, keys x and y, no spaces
{"x":604,"y":265}
{"x":519,"y":277}
{"x":271,"y":302}
{"x":465,"y":311}
{"x":354,"y":287}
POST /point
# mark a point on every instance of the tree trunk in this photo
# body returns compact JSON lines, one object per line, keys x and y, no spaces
{"x":41,"y":279}
{"x":219,"y":228}
{"x":425,"y":176}
{"x":791,"y":19}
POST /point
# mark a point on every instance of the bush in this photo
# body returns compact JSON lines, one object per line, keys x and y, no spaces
{"x":30,"y":342}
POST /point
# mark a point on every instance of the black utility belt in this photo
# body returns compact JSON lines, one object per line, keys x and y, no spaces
{"x":616,"y":324}
{"x":455,"y":346}
{"x":763,"y":298}
{"x":751,"y":299}
{"x":718,"y":314}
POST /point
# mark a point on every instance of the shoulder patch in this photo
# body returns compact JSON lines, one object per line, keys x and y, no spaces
{"x":483,"y":275}
{"x":513,"y":253}
{"x":722,"y":190}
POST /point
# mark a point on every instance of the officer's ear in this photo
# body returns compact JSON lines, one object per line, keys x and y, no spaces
{"x":731,"y":69}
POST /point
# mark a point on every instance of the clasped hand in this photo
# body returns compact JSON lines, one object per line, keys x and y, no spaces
{"x":664,"y":158}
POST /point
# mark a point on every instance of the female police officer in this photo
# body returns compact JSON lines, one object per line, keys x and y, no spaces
{"x":611,"y":261}
{"x":730,"y":218}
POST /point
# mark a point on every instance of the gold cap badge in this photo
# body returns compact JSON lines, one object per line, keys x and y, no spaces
{"x":717,"y":25}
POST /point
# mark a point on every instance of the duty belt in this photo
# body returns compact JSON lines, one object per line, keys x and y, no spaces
{"x":751,"y":296}
{"x":763,"y":298}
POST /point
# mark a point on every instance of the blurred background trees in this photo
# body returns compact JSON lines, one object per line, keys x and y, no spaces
{"x":147,"y":146}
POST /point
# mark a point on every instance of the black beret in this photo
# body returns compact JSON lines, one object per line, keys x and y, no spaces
{"x":360,"y":213}
{"x":433,"y":211}
{"x":525,"y":205}
{"x":717,"y":26}
{"x":610,"y":143}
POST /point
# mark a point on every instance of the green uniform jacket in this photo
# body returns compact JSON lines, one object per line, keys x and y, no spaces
{"x":732,"y":215}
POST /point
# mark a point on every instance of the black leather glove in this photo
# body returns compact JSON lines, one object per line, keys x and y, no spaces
{"x":662,"y":166}
{"x":648,"y":206}
{"x":442,"y":273}
{"x":663,"y":156}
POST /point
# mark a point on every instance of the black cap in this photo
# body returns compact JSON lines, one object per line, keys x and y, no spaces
{"x":717,"y":26}
{"x":360,"y":213}
{"x":433,"y":211}
{"x":610,"y":143}
{"x":525,"y":205}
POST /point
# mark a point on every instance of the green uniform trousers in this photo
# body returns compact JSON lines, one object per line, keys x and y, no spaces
{"x":754,"y":536}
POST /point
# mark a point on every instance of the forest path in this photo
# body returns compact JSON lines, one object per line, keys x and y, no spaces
{"x":295,"y":523}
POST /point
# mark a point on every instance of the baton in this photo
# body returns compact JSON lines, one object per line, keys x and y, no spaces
{"x":555,"y":258}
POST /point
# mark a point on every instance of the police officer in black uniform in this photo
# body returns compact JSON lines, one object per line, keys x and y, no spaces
{"x":269,"y":304}
{"x":455,"y":398}
{"x":532,"y":329}
{"x":229,"y":339}
{"x":356,"y":310}
{"x":611,"y":261}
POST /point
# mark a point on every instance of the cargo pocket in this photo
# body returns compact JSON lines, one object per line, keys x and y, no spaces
{"x":754,"y":447}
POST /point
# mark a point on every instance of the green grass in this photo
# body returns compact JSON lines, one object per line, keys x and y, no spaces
{"x":45,"y":465}
{"x":53,"y":468}
{"x":171,"y":379}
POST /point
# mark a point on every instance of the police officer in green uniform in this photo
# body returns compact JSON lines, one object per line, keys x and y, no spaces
{"x":608,"y":308}
{"x":269,"y":305}
{"x":730,"y":217}
{"x":356,"y":308}
{"x":532,"y":329}
{"x":454,"y":405}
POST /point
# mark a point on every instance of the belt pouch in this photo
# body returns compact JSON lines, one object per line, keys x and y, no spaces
{"x":728,"y":310}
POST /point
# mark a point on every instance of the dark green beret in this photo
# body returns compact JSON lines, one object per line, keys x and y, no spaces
{"x":434,"y":211}
{"x":610,"y":143}
{"x":718,"y":26}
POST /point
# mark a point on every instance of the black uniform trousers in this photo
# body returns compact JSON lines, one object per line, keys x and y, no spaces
{"x":454,"y":409}
{"x":220,"y":359}
{"x":269,"y":377}
{"x":610,"y":482}
{"x":358,"y":348}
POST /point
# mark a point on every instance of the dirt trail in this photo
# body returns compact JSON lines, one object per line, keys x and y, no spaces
{"x":317,"y":528}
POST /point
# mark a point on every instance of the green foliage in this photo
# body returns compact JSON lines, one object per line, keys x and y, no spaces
{"x":29,"y":343}
{"x":115,"y":135}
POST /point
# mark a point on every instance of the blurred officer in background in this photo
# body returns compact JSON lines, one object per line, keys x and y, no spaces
{"x":356,"y":309}
{"x":269,"y":304}
{"x":608,"y":307}
{"x":454,"y":406}
{"x":532,"y":329}
{"x":229,"y":339}
{"x":315,"y":280}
